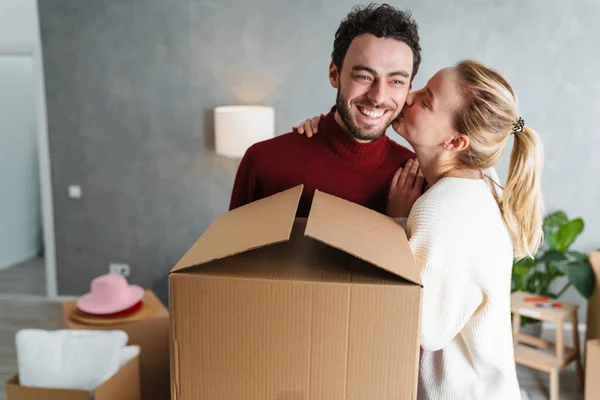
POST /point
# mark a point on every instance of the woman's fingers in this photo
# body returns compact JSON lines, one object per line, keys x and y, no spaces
{"x":419,"y":182}
{"x":412,"y":174}
{"x":395,"y":180}
{"x":310,"y":126}
{"x":314,"y":123}
{"x":404,"y":176}
{"x":307,"y":128}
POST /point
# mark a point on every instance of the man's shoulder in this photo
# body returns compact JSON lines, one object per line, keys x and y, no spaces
{"x":399,"y":150}
{"x":283,"y":142}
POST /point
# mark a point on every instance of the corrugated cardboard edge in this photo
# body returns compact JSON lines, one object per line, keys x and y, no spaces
{"x":173,"y":346}
{"x":418,"y":345}
{"x":325,"y":226}
{"x":593,"y":315}
{"x":246,"y":228}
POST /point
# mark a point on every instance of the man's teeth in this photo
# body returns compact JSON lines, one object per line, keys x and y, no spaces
{"x":372,"y":114}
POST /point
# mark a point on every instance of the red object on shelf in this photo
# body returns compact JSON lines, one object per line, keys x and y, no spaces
{"x":131,"y":310}
{"x":536,"y":299}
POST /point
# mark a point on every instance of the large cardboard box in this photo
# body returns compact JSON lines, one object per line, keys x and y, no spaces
{"x":151,"y":334}
{"x":124,"y":385}
{"x":265,"y":306}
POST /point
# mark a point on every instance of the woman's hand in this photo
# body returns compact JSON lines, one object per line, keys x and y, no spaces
{"x":406,"y":187}
{"x":310,"y":126}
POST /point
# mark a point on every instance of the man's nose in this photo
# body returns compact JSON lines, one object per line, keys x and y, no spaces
{"x":377,"y":92}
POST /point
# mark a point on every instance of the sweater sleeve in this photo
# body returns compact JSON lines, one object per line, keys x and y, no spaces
{"x":450,"y":294}
{"x":245,"y":184}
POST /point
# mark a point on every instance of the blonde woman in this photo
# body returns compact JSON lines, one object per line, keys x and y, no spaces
{"x":464,"y":232}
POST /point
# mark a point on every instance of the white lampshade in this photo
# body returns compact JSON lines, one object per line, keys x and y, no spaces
{"x":239,"y":127}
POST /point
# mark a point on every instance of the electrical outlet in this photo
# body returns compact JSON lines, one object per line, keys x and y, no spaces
{"x":75,"y":192}
{"x":119,"y":268}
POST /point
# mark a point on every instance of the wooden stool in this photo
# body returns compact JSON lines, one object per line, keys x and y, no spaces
{"x":544,"y":355}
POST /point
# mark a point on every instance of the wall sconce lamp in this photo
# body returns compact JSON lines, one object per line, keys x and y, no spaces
{"x":239,"y":127}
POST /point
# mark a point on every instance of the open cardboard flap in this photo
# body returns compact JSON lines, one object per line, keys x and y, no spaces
{"x":341,"y":224}
{"x":258,"y":224}
{"x":364,"y":233}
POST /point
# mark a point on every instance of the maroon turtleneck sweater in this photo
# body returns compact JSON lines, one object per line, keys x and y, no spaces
{"x":331,"y":161}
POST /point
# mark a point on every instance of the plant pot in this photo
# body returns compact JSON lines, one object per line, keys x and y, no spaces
{"x":532,"y":329}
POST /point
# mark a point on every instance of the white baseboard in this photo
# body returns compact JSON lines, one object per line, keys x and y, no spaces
{"x":60,"y":299}
{"x":30,"y":298}
{"x":24,"y":298}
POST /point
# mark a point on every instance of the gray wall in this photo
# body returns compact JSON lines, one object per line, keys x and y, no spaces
{"x":131,"y":85}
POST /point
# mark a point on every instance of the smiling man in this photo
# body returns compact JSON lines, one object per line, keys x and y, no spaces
{"x":376,"y":54}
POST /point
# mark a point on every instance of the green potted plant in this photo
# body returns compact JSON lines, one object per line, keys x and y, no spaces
{"x":554,"y":260}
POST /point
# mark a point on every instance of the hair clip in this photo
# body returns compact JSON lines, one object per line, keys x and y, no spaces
{"x":518,"y":126}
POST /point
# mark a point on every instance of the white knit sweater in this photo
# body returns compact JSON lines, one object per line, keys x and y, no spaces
{"x":464,"y":253}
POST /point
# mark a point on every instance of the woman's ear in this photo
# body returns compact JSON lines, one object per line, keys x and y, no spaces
{"x":334,"y":76}
{"x":457,"y":143}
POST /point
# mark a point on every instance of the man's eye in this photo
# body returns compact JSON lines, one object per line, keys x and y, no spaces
{"x":398,"y":82}
{"x":363,"y":77}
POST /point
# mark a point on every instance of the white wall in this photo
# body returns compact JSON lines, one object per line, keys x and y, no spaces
{"x":20,"y":216}
{"x":18,"y":22}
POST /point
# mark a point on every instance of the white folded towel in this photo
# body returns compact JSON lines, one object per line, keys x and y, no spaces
{"x":71,"y":359}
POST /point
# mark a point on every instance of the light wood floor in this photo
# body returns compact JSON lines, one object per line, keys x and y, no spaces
{"x":21,"y":306}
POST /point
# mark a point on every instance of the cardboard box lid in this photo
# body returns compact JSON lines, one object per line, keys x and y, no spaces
{"x":245,"y":228}
{"x":364,"y":233}
{"x":354,"y":229}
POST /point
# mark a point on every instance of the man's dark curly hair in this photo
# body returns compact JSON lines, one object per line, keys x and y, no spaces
{"x":382,"y":21}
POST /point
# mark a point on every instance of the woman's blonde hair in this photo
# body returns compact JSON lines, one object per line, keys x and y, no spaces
{"x":488,"y":116}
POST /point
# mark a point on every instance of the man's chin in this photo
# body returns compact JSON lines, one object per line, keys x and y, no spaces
{"x":368,"y":135}
{"x":371,"y":132}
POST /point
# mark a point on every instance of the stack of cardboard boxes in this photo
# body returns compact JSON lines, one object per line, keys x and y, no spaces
{"x":151,"y":333}
{"x":283,"y":308}
{"x":145,"y":377}
{"x":592,"y":355}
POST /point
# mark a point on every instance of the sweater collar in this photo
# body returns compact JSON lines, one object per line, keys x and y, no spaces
{"x":348,"y":150}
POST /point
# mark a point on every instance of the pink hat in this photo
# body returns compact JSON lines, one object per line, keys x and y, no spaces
{"x":109,"y":294}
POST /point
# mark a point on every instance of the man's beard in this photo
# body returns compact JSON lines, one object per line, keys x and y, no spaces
{"x":357,"y":132}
